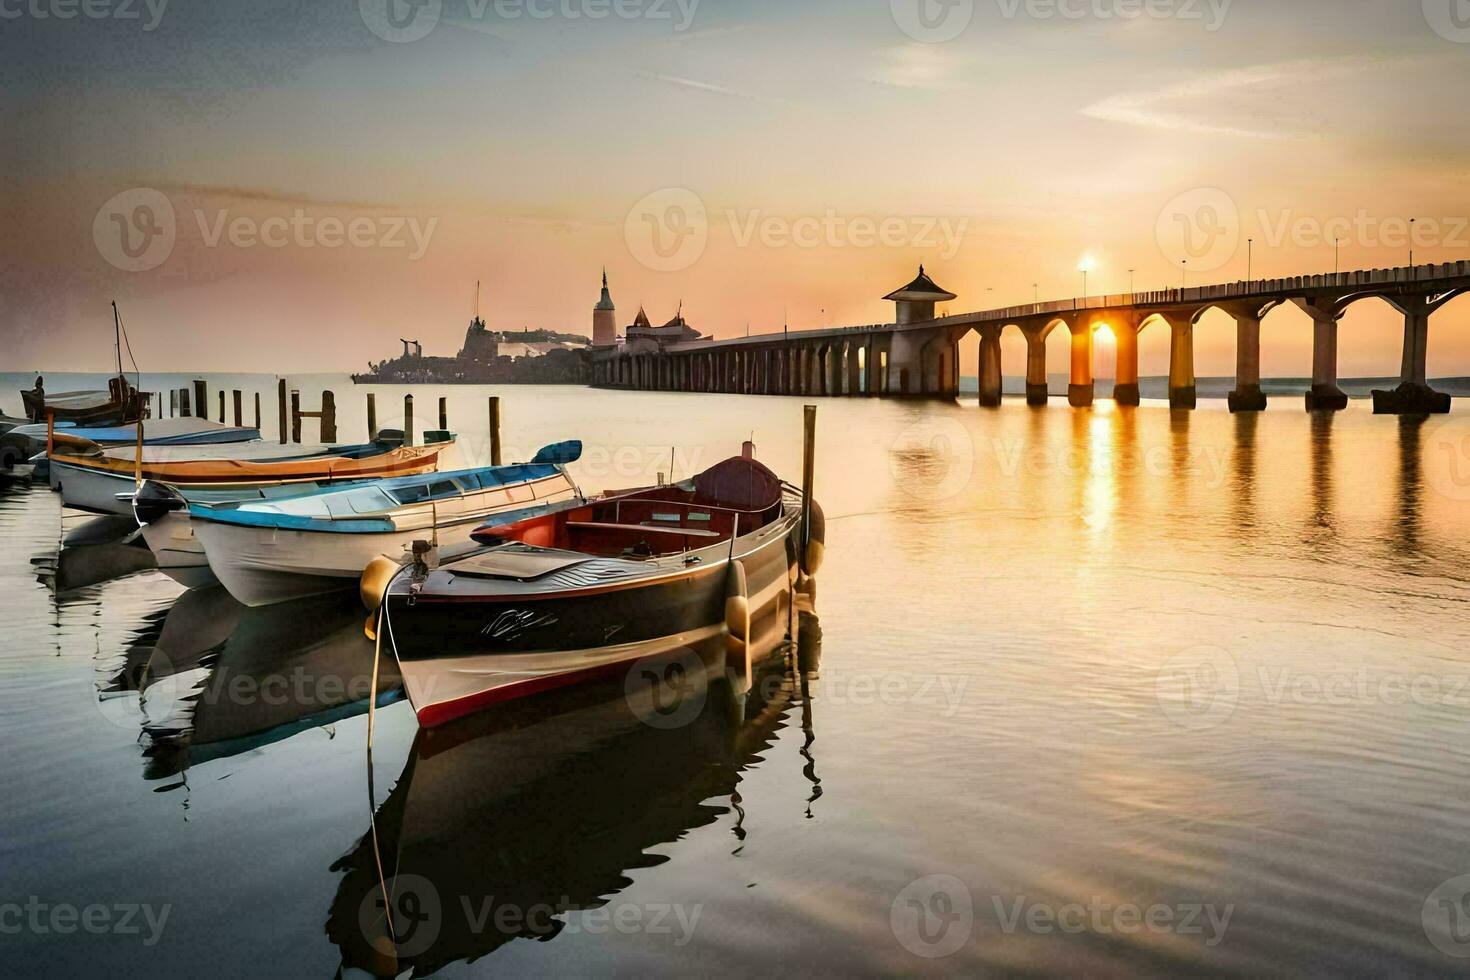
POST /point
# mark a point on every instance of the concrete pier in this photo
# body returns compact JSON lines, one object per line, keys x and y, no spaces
{"x":917,"y":355}
{"x":1325,"y":395}
{"x":1182,"y":390}
{"x":1247,"y":396}
{"x":1080,"y":390}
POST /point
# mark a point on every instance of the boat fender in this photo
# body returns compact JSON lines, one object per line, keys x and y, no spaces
{"x":375,"y":579}
{"x":737,"y":605}
{"x":816,"y":541}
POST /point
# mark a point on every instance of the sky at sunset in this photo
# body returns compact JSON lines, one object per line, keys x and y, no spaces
{"x":291,"y":186}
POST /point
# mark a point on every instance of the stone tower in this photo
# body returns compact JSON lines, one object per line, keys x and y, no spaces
{"x":604,"y":318}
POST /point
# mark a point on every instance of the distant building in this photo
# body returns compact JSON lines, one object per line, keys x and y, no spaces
{"x":676,"y":331}
{"x":480,"y":345}
{"x":604,"y":319}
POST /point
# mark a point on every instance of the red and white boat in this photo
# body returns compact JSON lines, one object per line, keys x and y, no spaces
{"x":581,"y":593}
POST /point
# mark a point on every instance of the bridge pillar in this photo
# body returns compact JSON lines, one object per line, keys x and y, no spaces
{"x":906,"y":363}
{"x":1413,"y":396}
{"x":1325,"y":395}
{"x":1182,"y":390}
{"x":1036,"y":384}
{"x":990,"y":368}
{"x":836,"y":368}
{"x":1080,"y":391}
{"x":1125,"y":380}
{"x":854,"y":368}
{"x":1247,"y":396}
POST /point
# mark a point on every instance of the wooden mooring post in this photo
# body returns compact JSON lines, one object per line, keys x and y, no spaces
{"x":408,"y":420}
{"x":184,"y":404}
{"x":281,"y":406}
{"x":257,"y":411}
{"x":239,"y":408}
{"x":173,"y":402}
{"x":327,"y":414}
{"x":201,"y":398}
{"x":495,"y":430}
{"x":443,"y":413}
{"x":372,"y":412}
{"x":221,"y":406}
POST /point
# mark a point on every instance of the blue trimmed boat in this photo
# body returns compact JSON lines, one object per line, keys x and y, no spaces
{"x":288,"y":546}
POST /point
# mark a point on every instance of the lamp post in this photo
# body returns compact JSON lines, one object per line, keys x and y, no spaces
{"x":1183,"y":274}
{"x":1250,"y":254}
{"x":1412,"y":221}
{"x":1130,"y":281}
{"x":1337,"y":256}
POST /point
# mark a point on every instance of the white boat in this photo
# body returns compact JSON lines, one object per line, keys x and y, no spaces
{"x":269,"y":551}
{"x":102,"y":481}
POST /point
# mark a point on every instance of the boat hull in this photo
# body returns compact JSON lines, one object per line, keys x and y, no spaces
{"x":91,"y":490}
{"x":93,"y":484}
{"x":177,"y":550}
{"x":459,"y":655}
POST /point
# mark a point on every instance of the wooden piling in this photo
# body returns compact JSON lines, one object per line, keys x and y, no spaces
{"x":328,"y":416}
{"x":257,"y":411}
{"x":201,"y":398}
{"x":222,"y":406}
{"x":443,"y":413}
{"x":808,"y":475}
{"x":239,"y":409}
{"x":281,"y":404}
{"x":408,"y":420}
{"x":295,"y":415}
{"x":184,"y":411}
{"x":495,"y":430}
{"x":173,"y":402}
{"x":372,"y":409}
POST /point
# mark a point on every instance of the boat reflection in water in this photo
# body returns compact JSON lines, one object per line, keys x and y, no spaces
{"x":225,"y":678}
{"x":97,"y":550}
{"x":540,"y":807}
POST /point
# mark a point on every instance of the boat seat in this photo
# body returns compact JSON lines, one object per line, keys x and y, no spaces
{"x":682,"y":532}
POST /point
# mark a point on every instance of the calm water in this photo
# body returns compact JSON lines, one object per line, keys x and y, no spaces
{"x":1114,"y":692}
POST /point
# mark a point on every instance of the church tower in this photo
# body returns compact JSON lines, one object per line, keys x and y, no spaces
{"x":604,"y":319}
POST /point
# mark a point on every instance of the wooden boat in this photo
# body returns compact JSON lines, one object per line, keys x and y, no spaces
{"x":550,"y":809}
{"x":25,"y":441}
{"x":120,"y":404}
{"x":581,"y":592}
{"x":289,"y":547}
{"x":103,"y":481}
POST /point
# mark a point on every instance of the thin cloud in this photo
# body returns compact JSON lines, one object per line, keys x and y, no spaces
{"x":698,"y":86}
{"x":1146,"y":109}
